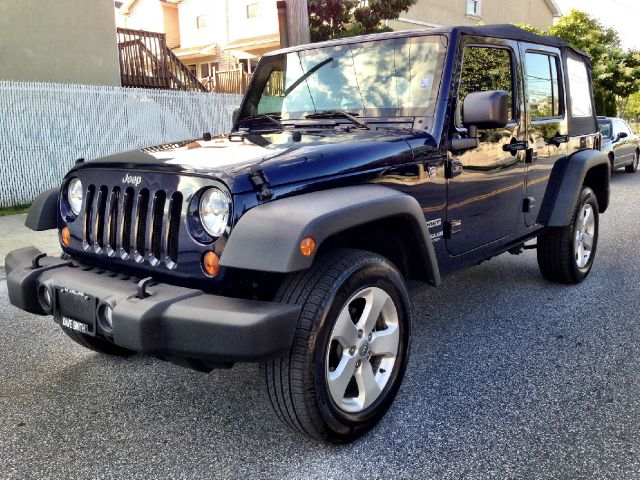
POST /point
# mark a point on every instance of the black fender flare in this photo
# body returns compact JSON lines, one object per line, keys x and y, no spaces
{"x":267,"y":237}
{"x":43,"y":214}
{"x":565,"y":184}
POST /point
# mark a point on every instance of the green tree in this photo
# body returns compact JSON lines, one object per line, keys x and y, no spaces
{"x":616,"y":74}
{"x":633,"y":108}
{"x":345,"y":18}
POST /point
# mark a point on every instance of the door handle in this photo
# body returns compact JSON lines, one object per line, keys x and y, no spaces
{"x":514,"y":146}
{"x":453,"y":168}
{"x":557,"y":139}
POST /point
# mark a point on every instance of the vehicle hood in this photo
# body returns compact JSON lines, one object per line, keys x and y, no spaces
{"x":284,"y":157}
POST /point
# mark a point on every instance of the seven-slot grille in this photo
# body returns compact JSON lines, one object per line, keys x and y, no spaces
{"x":133,"y":223}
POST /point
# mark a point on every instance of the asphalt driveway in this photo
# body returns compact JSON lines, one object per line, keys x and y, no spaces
{"x":510,"y":377}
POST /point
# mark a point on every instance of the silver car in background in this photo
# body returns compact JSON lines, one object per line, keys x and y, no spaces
{"x":620,"y":144}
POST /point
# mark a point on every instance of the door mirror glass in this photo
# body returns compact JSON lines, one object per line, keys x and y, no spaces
{"x":488,"y":109}
{"x":622,"y":135}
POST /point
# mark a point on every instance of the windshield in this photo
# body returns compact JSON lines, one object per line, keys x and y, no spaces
{"x":605,"y":129}
{"x":383,"y":78}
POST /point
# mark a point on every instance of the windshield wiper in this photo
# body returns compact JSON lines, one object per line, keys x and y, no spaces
{"x":271,"y":117}
{"x":339,"y":114}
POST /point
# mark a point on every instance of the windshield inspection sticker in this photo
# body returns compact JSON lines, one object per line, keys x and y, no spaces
{"x":426,"y":82}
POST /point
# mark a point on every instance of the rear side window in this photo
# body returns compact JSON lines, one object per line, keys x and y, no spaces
{"x":606,"y":129}
{"x":543,"y":98}
{"x":579,"y":91}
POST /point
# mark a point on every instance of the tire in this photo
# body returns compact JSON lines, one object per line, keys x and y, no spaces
{"x":633,"y":166}
{"x":559,"y":255}
{"x":97,"y":344}
{"x":305,"y":384}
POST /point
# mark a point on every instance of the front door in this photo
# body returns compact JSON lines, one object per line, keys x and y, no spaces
{"x":548,"y":130}
{"x":484,"y":197}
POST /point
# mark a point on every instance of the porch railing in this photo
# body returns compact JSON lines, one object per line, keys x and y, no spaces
{"x":147,"y":62}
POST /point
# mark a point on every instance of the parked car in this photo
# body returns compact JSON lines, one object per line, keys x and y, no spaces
{"x":356,"y":167}
{"x":620,"y":144}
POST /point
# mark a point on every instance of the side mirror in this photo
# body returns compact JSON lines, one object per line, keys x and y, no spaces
{"x":235,"y":115}
{"x":488,"y":109}
{"x":622,"y":135}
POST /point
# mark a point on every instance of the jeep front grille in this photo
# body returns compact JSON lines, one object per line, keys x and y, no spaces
{"x":140,"y":225}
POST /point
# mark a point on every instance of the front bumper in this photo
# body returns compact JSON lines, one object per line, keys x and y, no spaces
{"x":171,"y":322}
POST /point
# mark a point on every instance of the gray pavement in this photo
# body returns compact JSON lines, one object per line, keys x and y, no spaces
{"x":13,"y":234}
{"x":510,"y":377}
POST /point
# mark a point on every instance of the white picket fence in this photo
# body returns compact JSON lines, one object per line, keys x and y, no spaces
{"x":44,"y":128}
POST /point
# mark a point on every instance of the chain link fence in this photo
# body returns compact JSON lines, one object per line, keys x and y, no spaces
{"x":44,"y":128}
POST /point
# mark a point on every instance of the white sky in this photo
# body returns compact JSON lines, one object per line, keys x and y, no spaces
{"x":623,"y":15}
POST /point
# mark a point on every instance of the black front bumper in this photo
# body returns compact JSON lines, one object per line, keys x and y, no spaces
{"x":172,"y":321}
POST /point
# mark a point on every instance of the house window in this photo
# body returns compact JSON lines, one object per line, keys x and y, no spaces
{"x":253,"y":10}
{"x":473,"y":7}
{"x":193,"y":69}
{"x":208,"y":69}
{"x":201,"y":22}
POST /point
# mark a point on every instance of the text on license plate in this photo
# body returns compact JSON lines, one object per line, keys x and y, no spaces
{"x":75,"y":325}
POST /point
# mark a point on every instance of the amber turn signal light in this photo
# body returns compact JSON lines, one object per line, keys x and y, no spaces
{"x":211,"y":264}
{"x":65,"y":236}
{"x":307,"y":246}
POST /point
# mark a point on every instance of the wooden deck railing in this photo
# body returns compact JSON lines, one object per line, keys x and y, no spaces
{"x":147,"y":62}
{"x":228,"y":81}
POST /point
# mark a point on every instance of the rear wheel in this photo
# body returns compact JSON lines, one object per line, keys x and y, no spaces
{"x":350,"y":349}
{"x":633,"y":166}
{"x":566,"y":254}
{"x":97,"y":344}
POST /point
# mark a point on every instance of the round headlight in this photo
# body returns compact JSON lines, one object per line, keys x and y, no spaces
{"x":214,"y":211}
{"x":75,"y":195}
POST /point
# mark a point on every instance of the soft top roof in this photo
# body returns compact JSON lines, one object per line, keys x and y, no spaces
{"x":507,"y":31}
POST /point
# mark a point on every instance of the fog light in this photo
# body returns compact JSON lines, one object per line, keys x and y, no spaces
{"x":65,"y":236}
{"x":46,"y":300}
{"x":211,"y":264}
{"x":108,"y":316}
{"x":105,"y":316}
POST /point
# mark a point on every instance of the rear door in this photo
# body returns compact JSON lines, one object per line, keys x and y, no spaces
{"x":484,"y":197}
{"x":623,"y":148}
{"x":547,"y":130}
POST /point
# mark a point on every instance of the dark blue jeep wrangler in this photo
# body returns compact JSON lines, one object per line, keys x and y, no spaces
{"x":354,"y":167}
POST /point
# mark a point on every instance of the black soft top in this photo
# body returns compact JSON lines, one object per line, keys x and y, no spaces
{"x":507,"y":31}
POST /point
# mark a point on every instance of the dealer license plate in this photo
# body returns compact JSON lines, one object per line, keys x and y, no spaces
{"x":76,"y":310}
{"x":75,"y":325}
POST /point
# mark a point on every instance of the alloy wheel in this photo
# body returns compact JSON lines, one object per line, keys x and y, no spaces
{"x":584,"y":235}
{"x":362,"y":350}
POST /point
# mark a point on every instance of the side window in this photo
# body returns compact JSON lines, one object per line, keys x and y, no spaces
{"x":541,"y":72}
{"x":579,"y":91}
{"x":486,"y":68}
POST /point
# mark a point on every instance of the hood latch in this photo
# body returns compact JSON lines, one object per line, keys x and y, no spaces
{"x":260,"y":182}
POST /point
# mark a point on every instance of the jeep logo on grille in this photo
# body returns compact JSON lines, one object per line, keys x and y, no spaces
{"x":132,"y":180}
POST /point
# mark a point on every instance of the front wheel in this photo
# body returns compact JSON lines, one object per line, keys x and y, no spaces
{"x":633,"y":166}
{"x":566,"y":254}
{"x":350,"y":349}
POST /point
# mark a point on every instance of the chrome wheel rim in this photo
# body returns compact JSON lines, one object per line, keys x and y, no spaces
{"x":362,"y":349}
{"x":584,"y":237}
